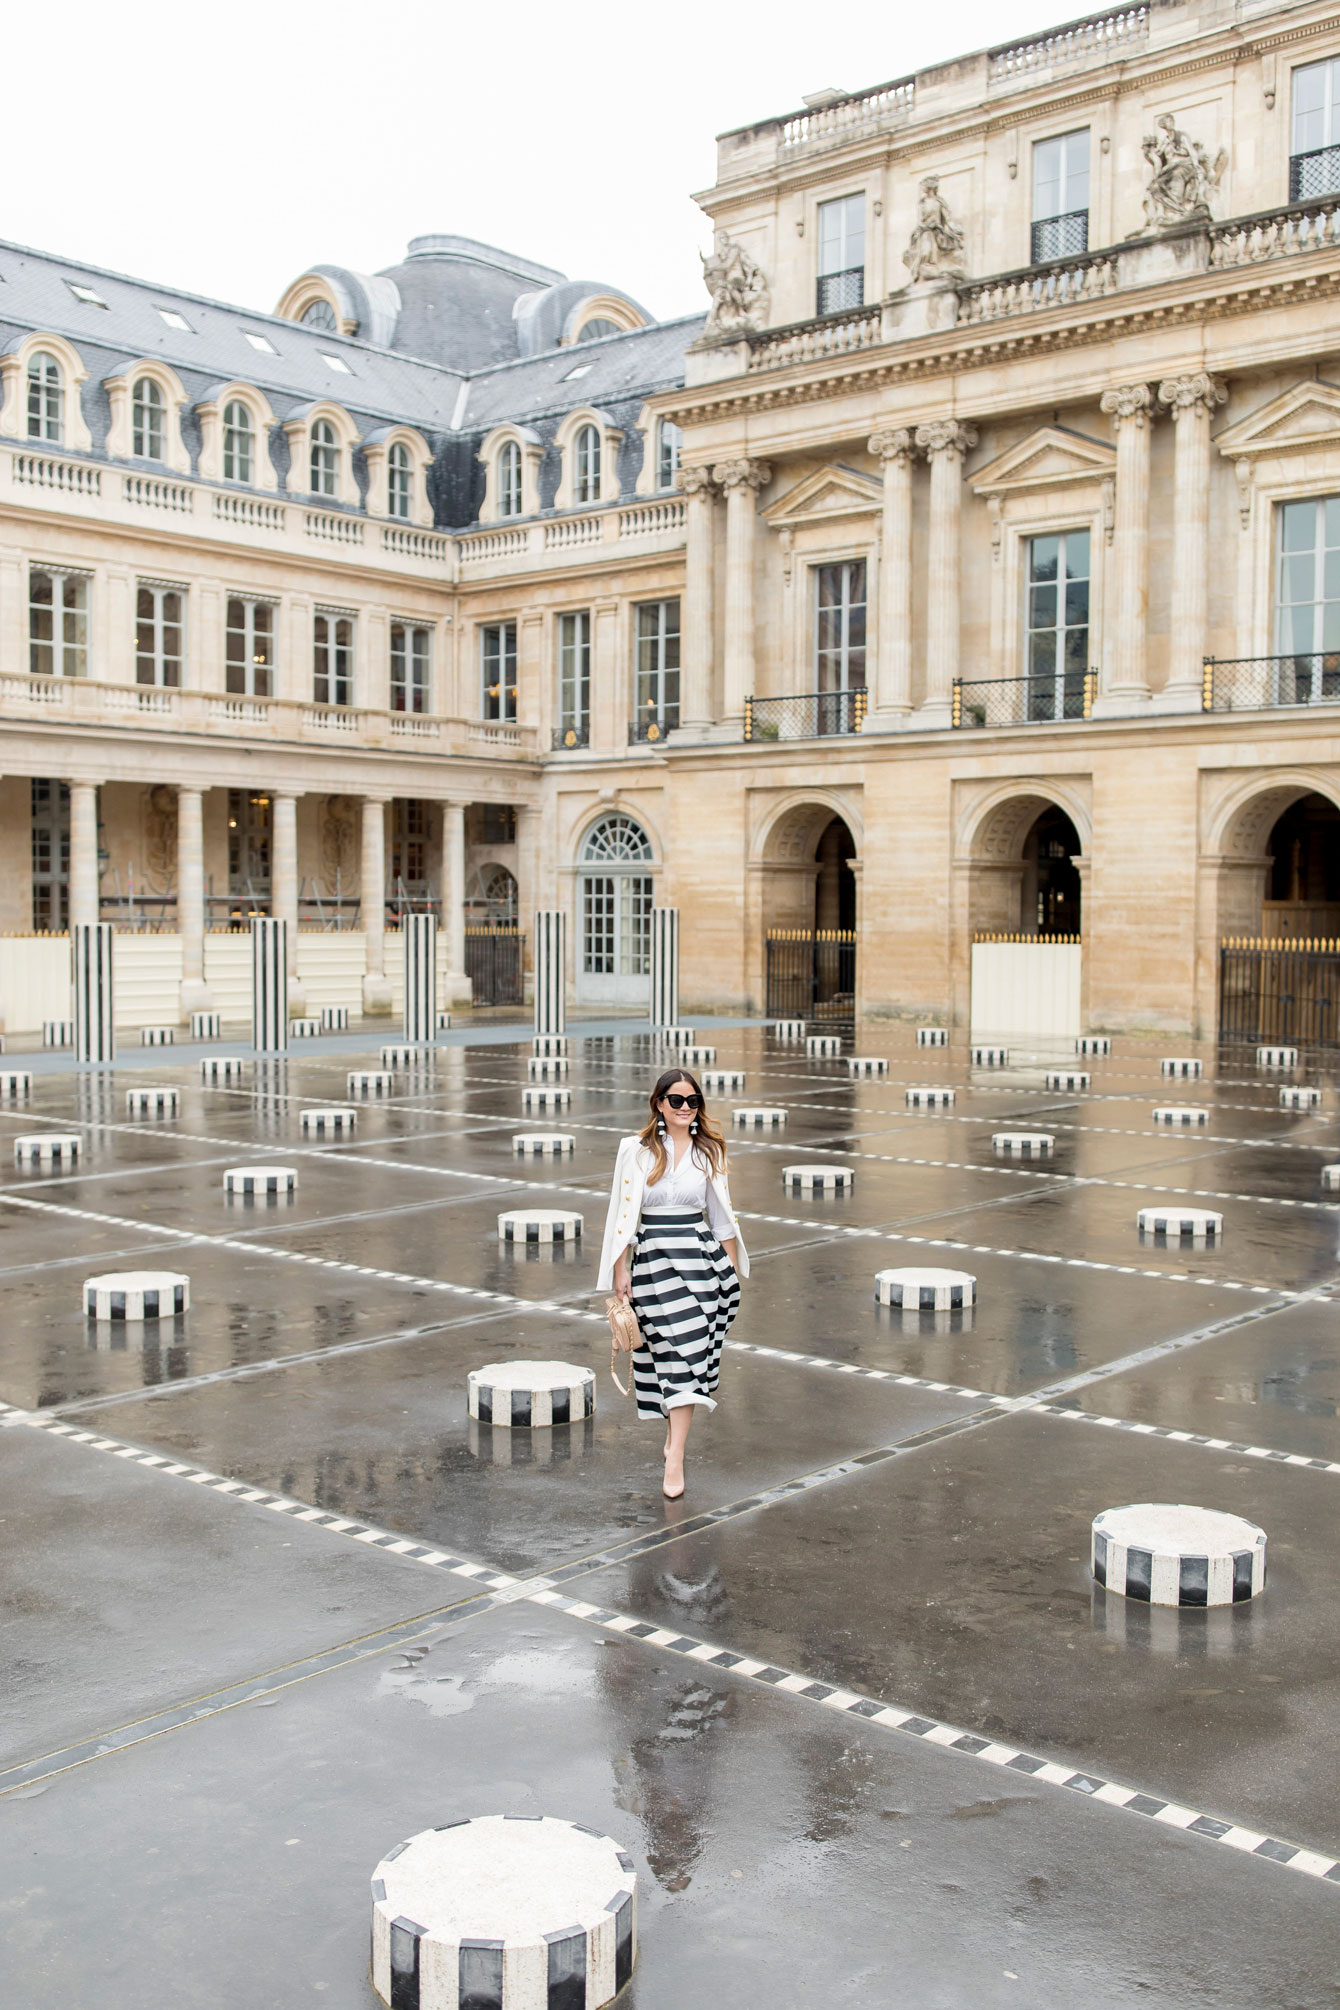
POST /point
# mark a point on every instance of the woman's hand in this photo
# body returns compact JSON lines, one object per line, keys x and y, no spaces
{"x":622,"y":1280}
{"x":730,"y":1247}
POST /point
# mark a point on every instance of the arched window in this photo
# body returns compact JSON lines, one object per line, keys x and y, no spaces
{"x":320,"y":315}
{"x":586,"y":466}
{"x":591,"y":331}
{"x":239,"y":442}
{"x":146,"y":420}
{"x":46,"y":397}
{"x":669,"y":440}
{"x":325,"y":459}
{"x":615,"y":891}
{"x":399,"y":481}
{"x":509,"y":479}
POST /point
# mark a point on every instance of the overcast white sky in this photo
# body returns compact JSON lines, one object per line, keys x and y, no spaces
{"x":225,"y":149}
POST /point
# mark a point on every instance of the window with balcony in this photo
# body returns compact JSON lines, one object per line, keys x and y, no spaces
{"x":249,"y":648}
{"x":1307,"y":605}
{"x":147,"y":421}
{"x":411,"y":667}
{"x":57,"y":623}
{"x":656,"y":695}
{"x":497,"y":670}
{"x":839,"y":644}
{"x":509,"y":479}
{"x":586,"y":466}
{"x":325,"y":460}
{"x":239,"y":442}
{"x":574,"y":680}
{"x":669,"y":441}
{"x":159,"y":635}
{"x":46,"y":398}
{"x":1314,"y":160}
{"x":333,"y":659}
{"x":1056,"y":642}
{"x":841,"y":255}
{"x":1060,"y":197}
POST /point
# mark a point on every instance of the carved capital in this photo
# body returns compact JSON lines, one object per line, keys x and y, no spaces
{"x":1129,"y":404}
{"x":894,"y":443}
{"x":1197,"y":393}
{"x":741,"y":474}
{"x":945,"y":436}
{"x":694,"y":481}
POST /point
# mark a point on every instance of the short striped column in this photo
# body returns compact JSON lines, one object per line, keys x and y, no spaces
{"x":538,"y":1099}
{"x":818,"y":1179}
{"x":787,"y":1029}
{"x":932,"y":1036}
{"x":1164,"y":1553}
{"x":1180,"y":1224}
{"x":420,"y":944}
{"x":58,"y":1032}
{"x":334,"y":1018}
{"x":664,"y":1001}
{"x":336,"y":1120}
{"x":543,"y":1144}
{"x":676,"y":1036}
{"x":1185,"y":1067}
{"x":152,"y":1102}
{"x":16,"y":1085}
{"x":206,"y":1025}
{"x":401,"y":1056}
{"x":1023,"y":1144}
{"x":697,"y":1057}
{"x":1181,"y":1116}
{"x":530,"y":1395}
{"x":216,"y":1068}
{"x":158,"y":1036}
{"x":929,"y":1098}
{"x":861,"y":1066}
{"x":370,"y":1082}
{"x":551,"y":966}
{"x":1066,"y":1078}
{"x":1330,"y":1179}
{"x":990,"y":1057}
{"x":260,"y":1182}
{"x":444,"y":1022}
{"x":550,"y":1046}
{"x":1277,"y":1057}
{"x":303,"y":1029}
{"x":94,"y":1025}
{"x":823,"y":1046}
{"x":926,"y":1290}
{"x":1097,"y":1044}
{"x":48,"y":1148}
{"x":1300,"y":1099}
{"x":269,"y":984}
{"x":547,"y":1068}
{"x":723,"y":1081}
{"x":533,"y":1224}
{"x":137,"y":1294}
{"x":758,"y":1119}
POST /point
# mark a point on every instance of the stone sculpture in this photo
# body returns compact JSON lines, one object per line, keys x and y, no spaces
{"x":1182,"y":177}
{"x":936,"y":249}
{"x":738,"y":288}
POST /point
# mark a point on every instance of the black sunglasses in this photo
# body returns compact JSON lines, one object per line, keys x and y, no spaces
{"x":685,"y":1102}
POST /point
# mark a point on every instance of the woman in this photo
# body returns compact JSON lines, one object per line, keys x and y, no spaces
{"x":681,"y":1271}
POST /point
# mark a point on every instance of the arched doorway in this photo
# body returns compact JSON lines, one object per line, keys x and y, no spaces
{"x":1302,"y":890}
{"x":810,"y":913}
{"x":1273,"y":959}
{"x":1022,"y":862}
{"x":1050,"y":891}
{"x":615,"y":890}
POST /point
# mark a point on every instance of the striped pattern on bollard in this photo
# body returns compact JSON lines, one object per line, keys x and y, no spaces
{"x":251,"y":1182}
{"x":990,"y":1057}
{"x":1181,"y":1224}
{"x":1185,"y":1066}
{"x":543,"y":1144}
{"x":932,"y":1036}
{"x":304,"y":1028}
{"x":48,"y":1148}
{"x":1181,"y":1116}
{"x":532,"y":1224}
{"x":94,"y":1019}
{"x":1066,"y":1078}
{"x":152,"y":1102}
{"x":444,"y":1022}
{"x":223,"y":1068}
{"x":859,"y":1065}
{"x":16,"y":1085}
{"x":663,"y":1006}
{"x":1330,"y":1178}
{"x":137,"y":1294}
{"x":1277,"y":1057}
{"x":926,"y":1290}
{"x":548,"y":1045}
{"x":787,"y":1029}
{"x":531,"y":1395}
{"x":823,"y":1046}
{"x":370,"y":1082}
{"x":676,"y":1036}
{"x":158,"y":1036}
{"x":758,"y":1119}
{"x":1300,"y":1099}
{"x":1093,"y":1043}
{"x":1023,"y":1144}
{"x":697,"y":1057}
{"x":329,"y":1122}
{"x":269,"y":984}
{"x":206,"y":1025}
{"x":929,"y":1099}
{"x":58,"y":1032}
{"x":553,"y":1098}
{"x":546,"y":1068}
{"x":818,"y":1179}
{"x":551,"y":970}
{"x":420,"y":940}
{"x":407,"y":1057}
{"x":334,"y":1018}
{"x":722,"y":1081}
{"x":1166,"y":1553}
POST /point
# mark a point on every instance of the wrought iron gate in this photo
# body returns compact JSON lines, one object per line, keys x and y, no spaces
{"x":1280,"y":990}
{"x":811,"y":974}
{"x":493,"y":962}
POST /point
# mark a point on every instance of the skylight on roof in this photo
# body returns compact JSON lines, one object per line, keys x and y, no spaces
{"x":86,"y":294}
{"x":580,"y":371}
{"x":336,"y":363}
{"x":175,"y":320}
{"x":261,"y":342}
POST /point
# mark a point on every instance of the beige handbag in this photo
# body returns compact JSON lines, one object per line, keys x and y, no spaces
{"x":625,"y":1335}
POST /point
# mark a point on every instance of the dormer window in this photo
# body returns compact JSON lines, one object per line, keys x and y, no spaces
{"x":46,"y":398}
{"x":841,"y":255}
{"x":669,"y":440}
{"x":399,"y":482}
{"x":239,"y":442}
{"x":325,"y":459}
{"x":146,"y":420}
{"x":1314,"y":162}
{"x":591,"y":331}
{"x":509,"y":479}
{"x":586,"y":466}
{"x":320,"y":315}
{"x":1061,"y":197}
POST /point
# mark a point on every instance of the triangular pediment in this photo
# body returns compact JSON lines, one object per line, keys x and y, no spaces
{"x":1306,"y":415}
{"x":827,"y":492}
{"x":1050,"y":457}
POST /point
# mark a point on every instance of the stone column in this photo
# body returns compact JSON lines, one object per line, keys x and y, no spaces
{"x":944,"y":443}
{"x":83,"y":854}
{"x":742,"y":481}
{"x":372,"y":896}
{"x":453,"y":900}
{"x":1192,"y":401}
{"x":1125,"y":679}
{"x":284,"y":888}
{"x":195,"y":994}
{"x":696,"y":697}
{"x":891,"y":700}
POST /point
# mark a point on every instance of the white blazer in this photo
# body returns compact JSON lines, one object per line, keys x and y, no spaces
{"x":629,"y":1193}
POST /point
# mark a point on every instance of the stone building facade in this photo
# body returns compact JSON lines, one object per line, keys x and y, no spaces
{"x":972,"y":567}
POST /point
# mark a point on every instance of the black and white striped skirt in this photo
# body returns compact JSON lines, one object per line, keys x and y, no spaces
{"x":685,"y":1293}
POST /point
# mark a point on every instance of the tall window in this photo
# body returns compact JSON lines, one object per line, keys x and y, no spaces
{"x":509,"y":479}
{"x":46,"y":398}
{"x":249,"y":641}
{"x":497,"y":668}
{"x":57,"y":623}
{"x":669,"y":440}
{"x":1314,"y":165}
{"x":1307,"y":616}
{"x":249,"y":825}
{"x":51,"y":854}
{"x":158,"y":635}
{"x":1057,"y":633}
{"x":239,"y":442}
{"x":1061,"y":196}
{"x":839,"y":643}
{"x":586,"y":466}
{"x":841,"y":254}
{"x":325,"y":459}
{"x":574,"y":680}
{"x":411,"y":667}
{"x":333,"y":659}
{"x":409,"y":848}
{"x":616,"y":900}
{"x":146,"y":420}
{"x":657,"y":694}
{"x":399,"y":482}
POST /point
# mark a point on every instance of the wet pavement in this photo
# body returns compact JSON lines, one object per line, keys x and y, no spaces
{"x":272,"y":1600}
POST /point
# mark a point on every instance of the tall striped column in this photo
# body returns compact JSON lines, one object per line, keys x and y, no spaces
{"x":94,"y":1029}
{"x":551,"y":962}
{"x":269,"y":985}
{"x":420,"y":939}
{"x":664,"y":1007}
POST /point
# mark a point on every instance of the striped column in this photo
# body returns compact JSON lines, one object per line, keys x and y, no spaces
{"x":420,"y":939}
{"x":94,"y":1035}
{"x":664,"y":1006}
{"x":269,"y":985}
{"x":551,"y":962}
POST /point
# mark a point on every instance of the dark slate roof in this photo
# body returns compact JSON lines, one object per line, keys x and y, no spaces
{"x":457,"y":299}
{"x":613,"y":368}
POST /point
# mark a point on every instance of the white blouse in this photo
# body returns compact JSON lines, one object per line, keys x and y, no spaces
{"x":686,"y":1189}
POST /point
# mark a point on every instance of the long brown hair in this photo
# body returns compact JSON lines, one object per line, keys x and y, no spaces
{"x":707,"y":1137}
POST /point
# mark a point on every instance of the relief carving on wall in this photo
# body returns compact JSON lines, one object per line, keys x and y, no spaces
{"x":158,"y":817}
{"x":739,"y":290}
{"x":1182,"y":177}
{"x":339,"y":840}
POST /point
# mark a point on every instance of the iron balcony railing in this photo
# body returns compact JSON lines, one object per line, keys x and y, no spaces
{"x":652,"y":726}
{"x":573,"y":733}
{"x":1314,"y":174}
{"x":813,"y":715}
{"x":839,"y":292}
{"x":1024,"y":701}
{"x":1060,"y":236}
{"x":1261,"y":683}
